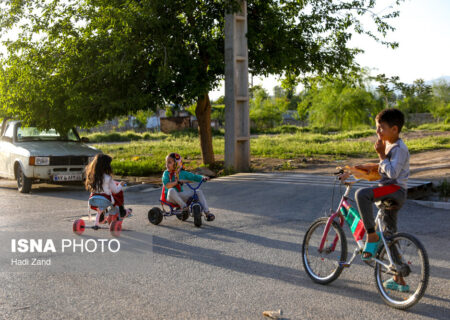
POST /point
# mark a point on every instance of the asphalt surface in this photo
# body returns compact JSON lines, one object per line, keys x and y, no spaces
{"x":245,"y":262}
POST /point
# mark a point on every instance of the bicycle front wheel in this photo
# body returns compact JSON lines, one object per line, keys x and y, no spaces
{"x":412,"y":265}
{"x":323,"y":266}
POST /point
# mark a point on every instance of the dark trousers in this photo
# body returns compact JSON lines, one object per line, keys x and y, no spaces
{"x":365,"y":197}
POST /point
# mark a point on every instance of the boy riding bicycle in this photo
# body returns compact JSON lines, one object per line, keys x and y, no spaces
{"x":393,"y":168}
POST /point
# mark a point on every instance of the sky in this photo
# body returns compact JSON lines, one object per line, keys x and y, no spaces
{"x":423,"y":34}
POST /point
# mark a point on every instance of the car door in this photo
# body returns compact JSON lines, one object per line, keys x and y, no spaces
{"x":6,"y":146}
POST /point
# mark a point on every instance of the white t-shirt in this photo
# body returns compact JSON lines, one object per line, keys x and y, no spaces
{"x":109,"y":186}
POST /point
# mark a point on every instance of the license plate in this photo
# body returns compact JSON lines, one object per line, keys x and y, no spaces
{"x":67,"y":177}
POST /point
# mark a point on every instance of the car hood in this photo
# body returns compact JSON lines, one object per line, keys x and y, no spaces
{"x":57,"y":148}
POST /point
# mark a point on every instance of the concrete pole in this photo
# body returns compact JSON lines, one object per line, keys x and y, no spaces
{"x":237,"y":121}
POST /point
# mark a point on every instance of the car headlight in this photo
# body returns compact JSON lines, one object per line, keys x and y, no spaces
{"x":39,"y":161}
{"x":90,"y":159}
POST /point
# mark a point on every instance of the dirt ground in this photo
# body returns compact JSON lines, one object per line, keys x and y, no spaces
{"x":429,"y":165}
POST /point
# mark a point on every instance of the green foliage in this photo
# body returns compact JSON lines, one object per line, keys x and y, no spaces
{"x":441,"y":90}
{"x":79,"y":62}
{"x":124,"y":136}
{"x":191,"y":109}
{"x":218,"y":112}
{"x":386,"y":88}
{"x":336,"y":103}
{"x":141,"y":116}
{"x":444,"y":189}
{"x":427,"y":143}
{"x":266,"y":112}
{"x":169,"y":112}
{"x":435,"y":126}
{"x":417,"y":97}
{"x":440,"y":106}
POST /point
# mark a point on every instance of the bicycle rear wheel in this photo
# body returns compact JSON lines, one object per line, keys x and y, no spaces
{"x":323,"y":267}
{"x":412,"y":264}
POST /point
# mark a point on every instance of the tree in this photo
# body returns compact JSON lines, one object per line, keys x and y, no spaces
{"x":338,"y":102}
{"x":78,"y":62}
{"x":386,"y":88}
{"x":417,"y":97}
{"x":266,"y":112}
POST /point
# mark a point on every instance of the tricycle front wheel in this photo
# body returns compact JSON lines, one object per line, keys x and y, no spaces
{"x":197,"y":212}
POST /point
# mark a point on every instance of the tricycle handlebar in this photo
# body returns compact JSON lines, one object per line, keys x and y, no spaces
{"x":193,"y":188}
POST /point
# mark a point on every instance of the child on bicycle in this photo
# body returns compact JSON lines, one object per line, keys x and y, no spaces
{"x":173,"y":188}
{"x":393,"y":168}
{"x":104,"y":190}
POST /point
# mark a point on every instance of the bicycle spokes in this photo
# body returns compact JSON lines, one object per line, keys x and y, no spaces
{"x":323,"y":266}
{"x":404,"y":284}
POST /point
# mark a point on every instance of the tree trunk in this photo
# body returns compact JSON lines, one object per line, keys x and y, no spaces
{"x":203,"y":114}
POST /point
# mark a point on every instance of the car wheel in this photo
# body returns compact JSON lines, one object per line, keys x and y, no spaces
{"x":23,"y":183}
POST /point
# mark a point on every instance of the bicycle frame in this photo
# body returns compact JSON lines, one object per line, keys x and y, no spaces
{"x":378,"y":223}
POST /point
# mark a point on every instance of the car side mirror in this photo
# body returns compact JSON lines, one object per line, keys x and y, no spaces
{"x":84,"y":139}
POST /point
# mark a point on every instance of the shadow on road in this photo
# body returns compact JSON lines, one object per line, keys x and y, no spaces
{"x":297,"y":277}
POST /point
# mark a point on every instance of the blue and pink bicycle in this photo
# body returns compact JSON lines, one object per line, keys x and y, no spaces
{"x":399,"y":255}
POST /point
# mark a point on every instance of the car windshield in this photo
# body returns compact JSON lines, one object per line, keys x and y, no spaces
{"x":35,"y":134}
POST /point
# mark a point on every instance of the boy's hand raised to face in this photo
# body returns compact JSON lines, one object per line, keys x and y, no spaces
{"x":380,"y":148}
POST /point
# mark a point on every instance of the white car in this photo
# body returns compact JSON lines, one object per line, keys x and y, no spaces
{"x":30,"y":155}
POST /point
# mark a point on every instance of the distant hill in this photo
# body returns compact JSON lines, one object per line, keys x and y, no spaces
{"x":430,"y":82}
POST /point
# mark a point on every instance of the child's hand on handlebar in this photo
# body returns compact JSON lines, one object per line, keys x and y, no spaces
{"x":344,"y":176}
{"x":205,"y":178}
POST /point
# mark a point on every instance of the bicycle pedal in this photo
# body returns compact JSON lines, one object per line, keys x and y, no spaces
{"x":344,"y":264}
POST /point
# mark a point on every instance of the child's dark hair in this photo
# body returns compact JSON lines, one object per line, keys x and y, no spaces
{"x":393,"y":117}
{"x":95,"y":170}
{"x":175,"y":156}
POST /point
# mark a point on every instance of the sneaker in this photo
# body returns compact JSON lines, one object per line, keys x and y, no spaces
{"x":209,"y":216}
{"x":391,"y":284}
{"x":129,"y":214}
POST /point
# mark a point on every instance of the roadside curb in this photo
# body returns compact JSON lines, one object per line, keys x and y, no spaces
{"x":433,"y":204}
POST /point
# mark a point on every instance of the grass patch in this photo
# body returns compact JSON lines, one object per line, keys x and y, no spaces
{"x":435,"y":126}
{"x":146,"y":156}
{"x":427,"y":143}
{"x":444,"y":189}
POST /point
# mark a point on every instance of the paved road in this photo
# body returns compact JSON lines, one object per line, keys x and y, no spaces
{"x":245,"y":262}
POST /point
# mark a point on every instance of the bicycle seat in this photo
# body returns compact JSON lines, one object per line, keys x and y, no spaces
{"x":387,"y":204}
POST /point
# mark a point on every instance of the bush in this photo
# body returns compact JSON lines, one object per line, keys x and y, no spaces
{"x":444,"y":189}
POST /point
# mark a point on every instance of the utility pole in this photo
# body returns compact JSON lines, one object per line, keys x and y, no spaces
{"x":237,"y":120}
